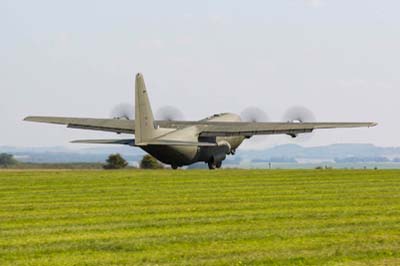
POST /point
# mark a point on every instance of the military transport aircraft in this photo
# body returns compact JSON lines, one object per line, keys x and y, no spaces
{"x":180,"y":143}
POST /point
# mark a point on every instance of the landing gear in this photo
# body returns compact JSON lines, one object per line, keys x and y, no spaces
{"x":213,"y":166}
{"x":174,"y":166}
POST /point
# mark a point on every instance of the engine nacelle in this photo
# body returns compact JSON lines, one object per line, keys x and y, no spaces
{"x":225,"y":145}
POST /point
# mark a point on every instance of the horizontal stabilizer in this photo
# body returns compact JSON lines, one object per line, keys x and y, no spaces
{"x":130,"y":142}
{"x":111,"y":125}
{"x":179,"y":143}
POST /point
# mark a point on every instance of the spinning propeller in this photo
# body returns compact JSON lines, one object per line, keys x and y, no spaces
{"x":299,"y":114}
{"x":123,"y":111}
{"x":253,"y":114}
{"x":169,"y":113}
{"x":127,"y":111}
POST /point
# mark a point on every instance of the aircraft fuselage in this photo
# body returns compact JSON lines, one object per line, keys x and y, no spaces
{"x":185,"y":155}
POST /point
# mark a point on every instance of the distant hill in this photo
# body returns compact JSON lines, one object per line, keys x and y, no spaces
{"x":335,"y":152}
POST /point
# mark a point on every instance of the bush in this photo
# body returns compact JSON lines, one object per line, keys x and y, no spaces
{"x":149,"y":162}
{"x":7,"y":160}
{"x":115,"y":161}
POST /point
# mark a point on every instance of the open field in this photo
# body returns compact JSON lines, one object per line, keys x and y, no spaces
{"x":228,"y":217}
{"x":53,"y":166}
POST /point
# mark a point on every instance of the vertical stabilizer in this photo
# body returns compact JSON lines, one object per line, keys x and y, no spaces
{"x":144,"y":120}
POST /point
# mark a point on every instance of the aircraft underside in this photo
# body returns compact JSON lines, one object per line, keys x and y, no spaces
{"x":178,"y":156}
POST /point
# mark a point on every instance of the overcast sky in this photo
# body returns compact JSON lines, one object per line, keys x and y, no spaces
{"x":339,"y":58}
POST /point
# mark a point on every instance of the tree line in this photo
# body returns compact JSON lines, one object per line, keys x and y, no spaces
{"x":114,"y":161}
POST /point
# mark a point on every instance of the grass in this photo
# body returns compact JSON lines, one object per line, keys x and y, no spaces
{"x":227,"y":217}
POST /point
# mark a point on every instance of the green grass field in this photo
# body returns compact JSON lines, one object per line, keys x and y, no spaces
{"x":227,"y":217}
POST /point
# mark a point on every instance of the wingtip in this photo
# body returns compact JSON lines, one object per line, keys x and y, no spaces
{"x":374,"y":124}
{"x":32,"y":118}
{"x":79,"y":141}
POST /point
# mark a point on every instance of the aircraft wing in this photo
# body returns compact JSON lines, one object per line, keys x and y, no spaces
{"x":101,"y":124}
{"x":206,"y":128}
{"x":213,"y":129}
{"x":111,"y":125}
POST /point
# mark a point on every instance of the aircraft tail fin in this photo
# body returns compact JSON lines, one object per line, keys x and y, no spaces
{"x":144,"y":119}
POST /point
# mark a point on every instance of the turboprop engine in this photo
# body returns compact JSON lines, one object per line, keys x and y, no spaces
{"x":224,"y":146}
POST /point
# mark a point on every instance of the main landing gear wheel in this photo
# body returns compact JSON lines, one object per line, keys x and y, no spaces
{"x":174,"y":167}
{"x":211,"y":165}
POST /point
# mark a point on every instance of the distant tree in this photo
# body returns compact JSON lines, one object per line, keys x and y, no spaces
{"x":149,"y":162}
{"x":7,"y":160}
{"x":115,"y":161}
